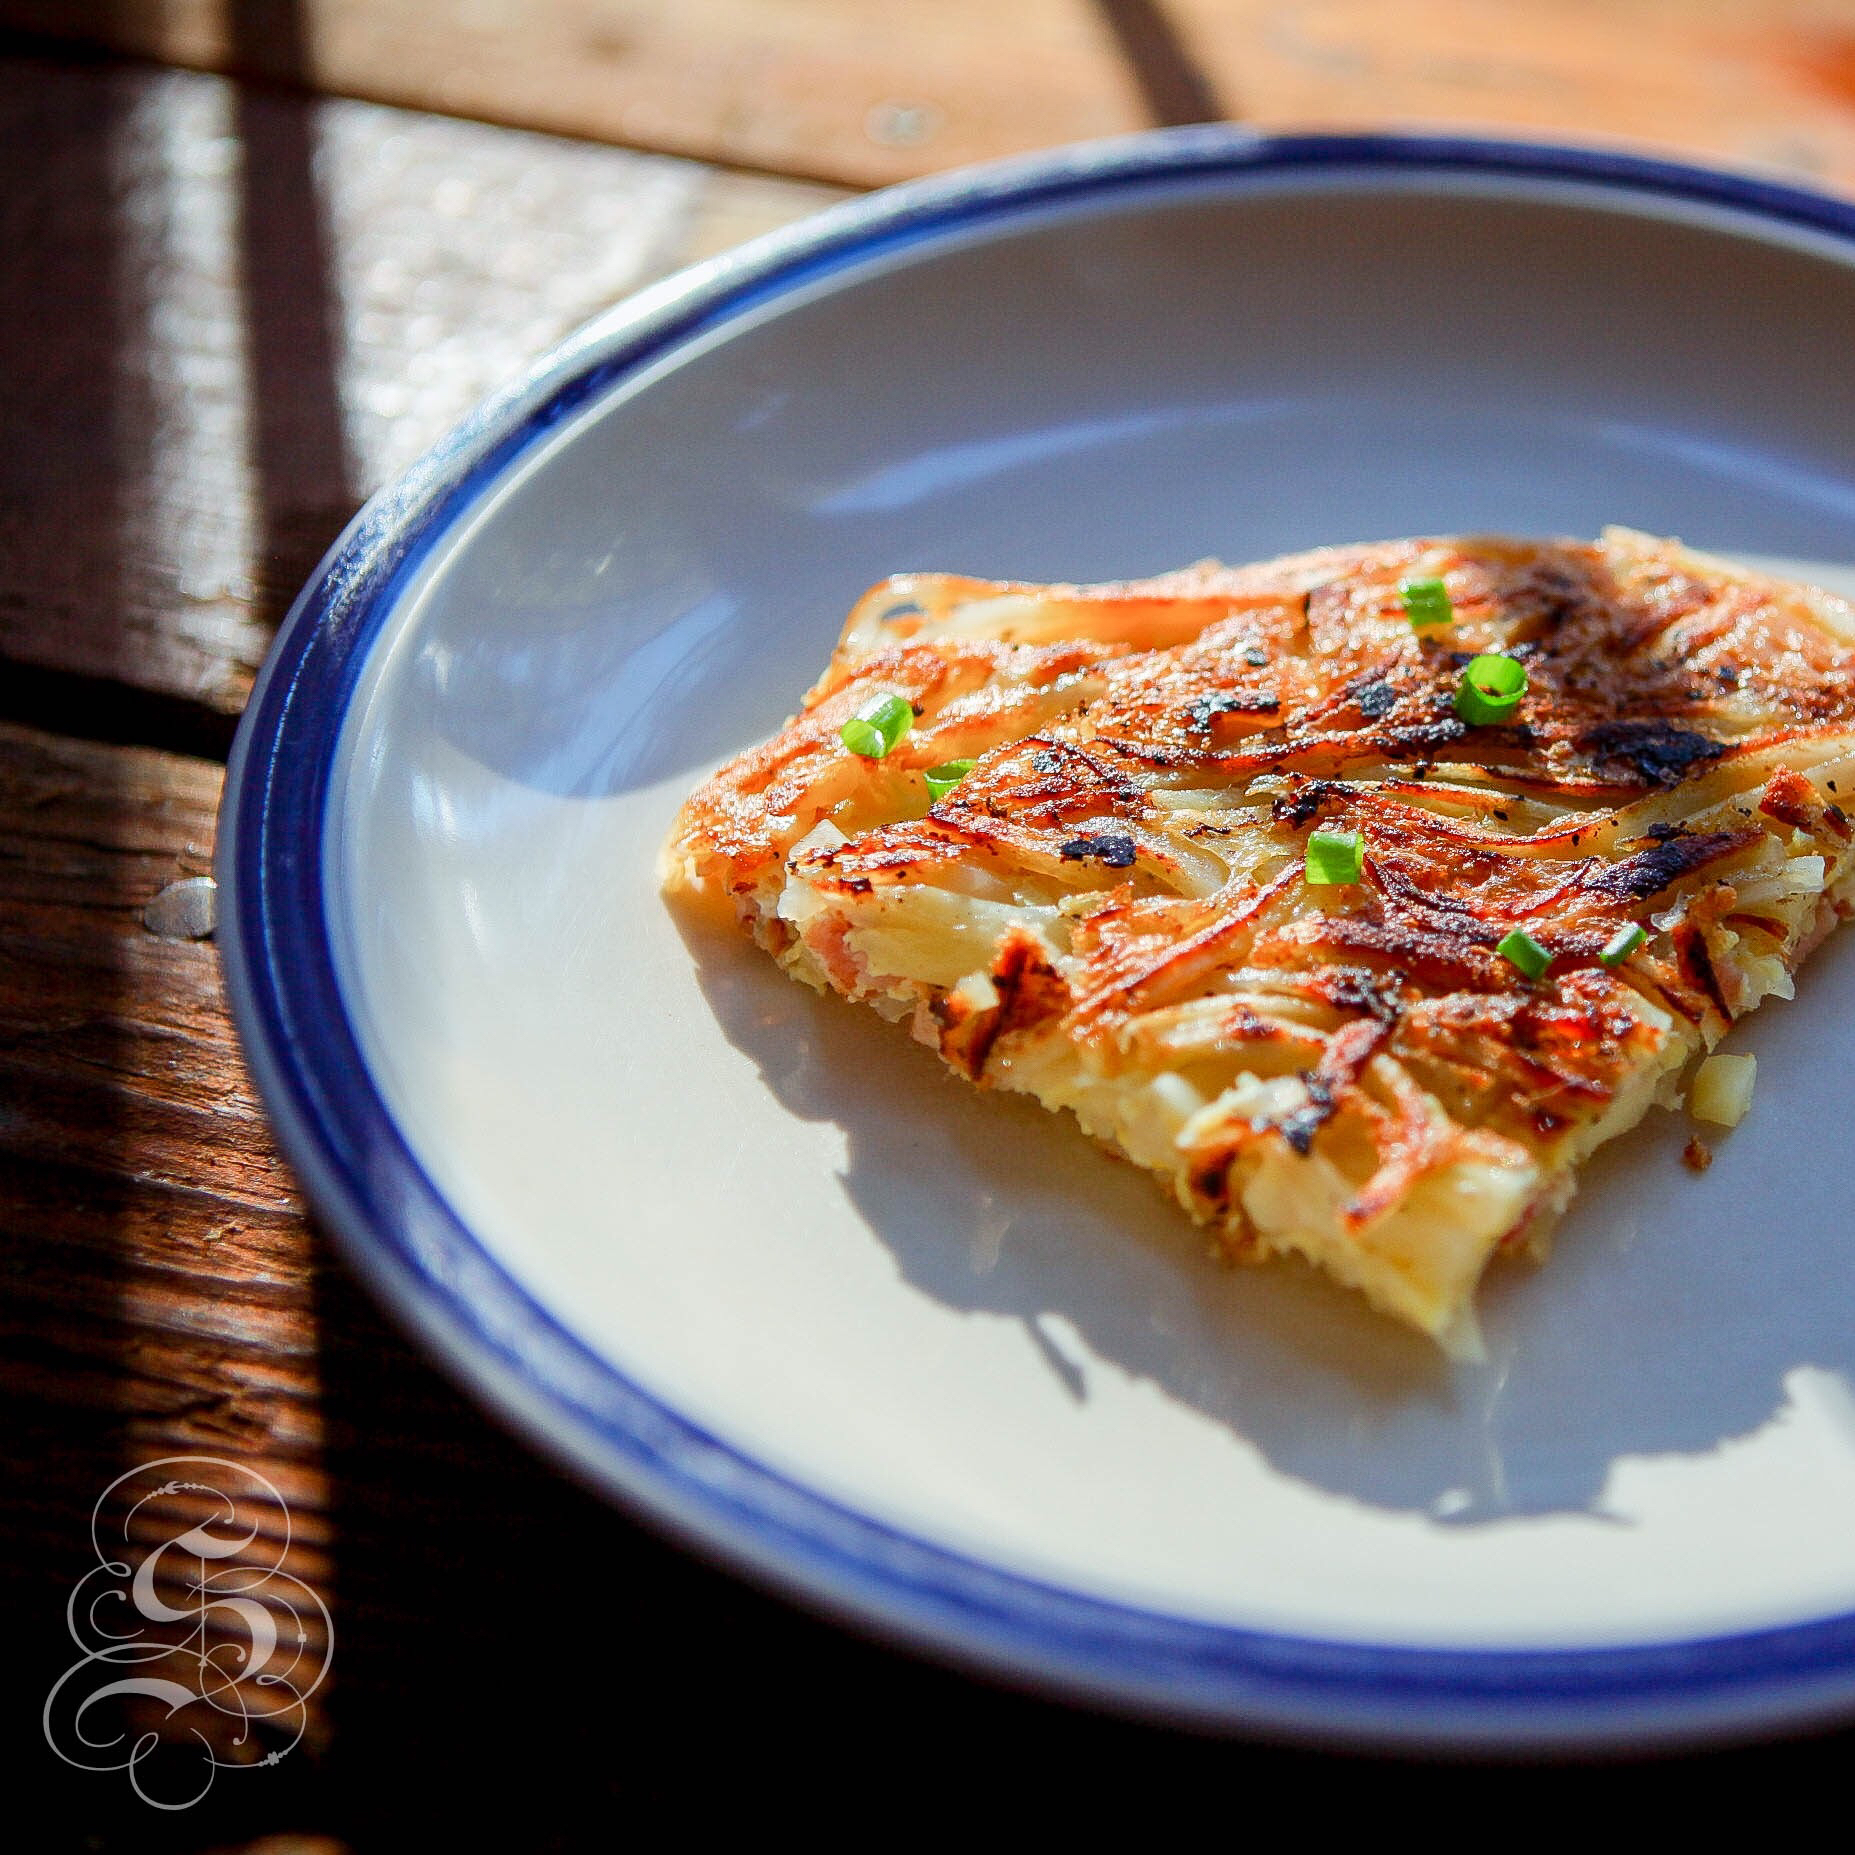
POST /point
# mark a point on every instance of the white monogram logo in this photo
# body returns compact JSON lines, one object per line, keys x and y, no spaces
{"x":189,"y":1595}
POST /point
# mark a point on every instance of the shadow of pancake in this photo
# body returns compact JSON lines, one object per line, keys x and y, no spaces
{"x":1673,"y":1314}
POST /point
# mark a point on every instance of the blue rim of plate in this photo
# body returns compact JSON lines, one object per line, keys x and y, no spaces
{"x":417,"y":1254}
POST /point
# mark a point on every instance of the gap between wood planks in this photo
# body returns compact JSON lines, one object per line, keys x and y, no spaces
{"x":100,"y":709}
{"x":240,"y":311}
{"x":843,"y":91}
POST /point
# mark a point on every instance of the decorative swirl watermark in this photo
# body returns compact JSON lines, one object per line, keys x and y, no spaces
{"x":194,"y":1600}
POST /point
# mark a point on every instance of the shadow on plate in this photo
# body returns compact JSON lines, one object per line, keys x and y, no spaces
{"x":1669,"y":1320}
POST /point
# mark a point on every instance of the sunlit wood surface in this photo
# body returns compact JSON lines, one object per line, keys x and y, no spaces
{"x":256,"y":257}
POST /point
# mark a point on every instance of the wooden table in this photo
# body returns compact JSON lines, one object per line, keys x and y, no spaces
{"x":256,"y":257}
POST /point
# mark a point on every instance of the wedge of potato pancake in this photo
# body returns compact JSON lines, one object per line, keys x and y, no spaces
{"x":1358,"y":894}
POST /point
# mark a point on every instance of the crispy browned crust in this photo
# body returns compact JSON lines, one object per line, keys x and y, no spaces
{"x":1671,"y":701}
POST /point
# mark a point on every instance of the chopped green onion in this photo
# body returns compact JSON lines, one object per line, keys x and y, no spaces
{"x":876,"y":727}
{"x":1522,"y":950}
{"x":1426,"y":602}
{"x":1623,"y":943}
{"x":942,"y":779}
{"x":1490,"y":691}
{"x":1334,"y":857}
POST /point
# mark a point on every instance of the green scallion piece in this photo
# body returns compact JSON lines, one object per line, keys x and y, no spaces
{"x":1335,"y":857}
{"x":1490,"y":691}
{"x":1522,"y":950}
{"x":1426,"y":602}
{"x":941,"y":780}
{"x":1623,"y":943}
{"x":876,"y":727}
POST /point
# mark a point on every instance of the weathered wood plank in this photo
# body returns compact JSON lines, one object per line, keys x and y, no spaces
{"x":161,"y":1295}
{"x":157,"y":1277}
{"x":148,"y":1216}
{"x":864,"y":91}
{"x":236,"y":313}
{"x":240,"y":310}
{"x":1762,"y":83}
{"x":857,"y":92}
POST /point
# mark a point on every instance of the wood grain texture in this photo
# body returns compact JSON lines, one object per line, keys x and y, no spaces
{"x":863,"y":92}
{"x":1759,"y":83}
{"x":855,"y":92}
{"x":156,"y":1272}
{"x":242,"y":311}
{"x":145,"y":1206}
{"x":502,"y":1638}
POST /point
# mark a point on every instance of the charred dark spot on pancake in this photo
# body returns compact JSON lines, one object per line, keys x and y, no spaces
{"x":1355,"y":988}
{"x":1028,"y":986}
{"x":1416,"y":739}
{"x":1302,"y":804}
{"x":1114,"y":848}
{"x":1341,"y":1064}
{"x":1696,"y":965}
{"x":1156,"y":753}
{"x":1299,"y":1127}
{"x":1244,"y":1025}
{"x":1560,"y":596}
{"x":1651,"y":871}
{"x":1656,"y":751}
{"x":1256,"y":657}
{"x":1202,"y":713}
{"x":966,"y":1033}
{"x":1375,"y":700}
{"x":1211,"y":1181}
{"x":1399,"y":887}
{"x":1429,"y":956}
{"x":1029,"y":990}
{"x":1067,"y":780}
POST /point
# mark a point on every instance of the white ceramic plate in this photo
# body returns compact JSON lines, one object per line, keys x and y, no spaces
{"x":749,"y":1259}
